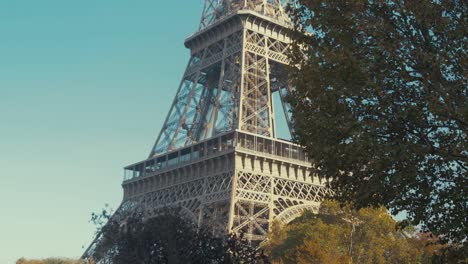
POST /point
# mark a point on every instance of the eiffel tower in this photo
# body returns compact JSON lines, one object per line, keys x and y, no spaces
{"x":217,"y":157}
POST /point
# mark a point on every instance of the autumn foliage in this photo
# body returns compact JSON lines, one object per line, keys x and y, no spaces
{"x":342,"y":235}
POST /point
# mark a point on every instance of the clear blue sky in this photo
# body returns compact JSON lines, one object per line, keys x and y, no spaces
{"x":84,"y":88}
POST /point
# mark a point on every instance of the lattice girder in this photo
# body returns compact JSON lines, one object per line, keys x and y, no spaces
{"x":217,"y":10}
{"x":228,"y":83}
{"x":284,"y":198}
{"x":247,"y":191}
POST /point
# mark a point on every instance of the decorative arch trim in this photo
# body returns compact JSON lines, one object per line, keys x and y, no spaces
{"x":295,"y":211}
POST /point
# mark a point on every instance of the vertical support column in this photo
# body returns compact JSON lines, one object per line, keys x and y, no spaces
{"x":271,"y":204}
{"x":271,"y":115}
{"x":256,"y":102}
{"x":211,"y":125}
{"x":242,"y":83}
{"x":251,"y":222}
{"x":200,"y":215}
{"x":232,"y":209}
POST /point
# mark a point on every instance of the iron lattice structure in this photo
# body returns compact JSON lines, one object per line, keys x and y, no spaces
{"x":217,"y":156}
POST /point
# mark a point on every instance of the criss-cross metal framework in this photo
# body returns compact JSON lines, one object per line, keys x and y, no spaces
{"x":235,"y":66}
{"x":217,"y":156}
{"x":216,"y":10}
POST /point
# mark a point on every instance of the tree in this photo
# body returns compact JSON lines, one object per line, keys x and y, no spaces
{"x":343,"y":235}
{"x":166,"y":238}
{"x":381,"y":104}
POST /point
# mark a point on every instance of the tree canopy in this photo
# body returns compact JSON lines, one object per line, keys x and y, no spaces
{"x":343,"y":235}
{"x":167,"y":238}
{"x":381,"y":105}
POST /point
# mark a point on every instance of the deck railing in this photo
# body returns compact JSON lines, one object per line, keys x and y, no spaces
{"x":228,"y":142}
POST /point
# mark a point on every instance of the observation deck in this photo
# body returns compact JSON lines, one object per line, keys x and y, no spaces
{"x":235,"y":141}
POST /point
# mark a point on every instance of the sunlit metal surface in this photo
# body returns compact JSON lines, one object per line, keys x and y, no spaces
{"x":217,"y":156}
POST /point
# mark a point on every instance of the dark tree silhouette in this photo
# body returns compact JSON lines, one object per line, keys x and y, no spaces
{"x":166,"y":238}
{"x":381,"y":105}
